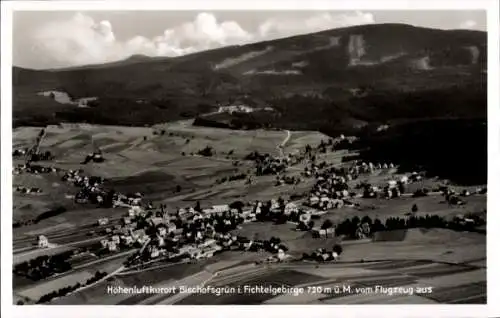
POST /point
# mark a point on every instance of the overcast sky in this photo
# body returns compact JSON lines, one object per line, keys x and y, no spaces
{"x":59,"y":39}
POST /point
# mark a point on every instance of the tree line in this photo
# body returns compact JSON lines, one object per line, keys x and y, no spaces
{"x":44,"y":266}
{"x":68,"y":289}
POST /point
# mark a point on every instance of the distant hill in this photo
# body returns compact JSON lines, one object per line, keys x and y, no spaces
{"x":348,"y":76}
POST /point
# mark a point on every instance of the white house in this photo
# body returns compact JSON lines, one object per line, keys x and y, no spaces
{"x":104,"y":243}
{"x":217,"y":209}
{"x":274,"y":204}
{"x":43,"y":242}
{"x":128,"y":240}
{"x":291,"y":208}
{"x":220,"y":208}
{"x":323,"y":232}
{"x":154,"y":252}
{"x":161,"y":241}
{"x":313,"y":200}
{"x":281,"y":255}
{"x":171,"y":228}
{"x":162,"y":231}
{"x":132,"y":212}
{"x":112,"y":246}
{"x":199,"y":235}
{"x":392,"y":184}
{"x":404,"y":180}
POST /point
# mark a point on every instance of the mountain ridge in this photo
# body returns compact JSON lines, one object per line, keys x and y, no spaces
{"x":326,"y":67}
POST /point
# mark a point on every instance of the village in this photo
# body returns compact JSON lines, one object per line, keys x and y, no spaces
{"x":151,"y":233}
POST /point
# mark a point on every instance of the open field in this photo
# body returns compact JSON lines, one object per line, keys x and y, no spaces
{"x":448,"y":283}
{"x":435,"y":244}
{"x":157,"y":157}
{"x":82,"y":271}
{"x":299,"y":139}
{"x":35,"y":292}
{"x":96,"y":294}
{"x":162,"y":275}
{"x":274,"y":278}
{"x":222,"y":140}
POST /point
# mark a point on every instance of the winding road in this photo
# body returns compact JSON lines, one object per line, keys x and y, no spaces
{"x":281,"y":146}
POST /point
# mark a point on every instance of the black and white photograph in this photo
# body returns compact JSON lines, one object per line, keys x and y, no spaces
{"x":247,"y":157}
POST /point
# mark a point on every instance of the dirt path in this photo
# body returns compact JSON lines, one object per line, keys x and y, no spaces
{"x":281,"y":146}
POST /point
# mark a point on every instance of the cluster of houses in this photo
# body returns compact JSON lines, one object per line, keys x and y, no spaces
{"x":281,"y":256}
{"x":79,"y":180}
{"x":330,"y":191}
{"x":90,"y":187}
{"x":363,"y":167}
{"x":91,"y":190}
{"x":323,"y":233}
{"x":199,"y":233}
{"x":270,"y":165}
{"x":19,"y":152}
{"x":38,"y":156}
{"x":189,"y":232}
{"x":351,"y":173}
{"x":453,"y":198}
{"x":94,"y":157}
{"x":160,"y":233}
{"x":128,"y":201}
{"x":235,"y":109}
{"x":27,"y":190}
{"x":276,"y":206}
{"x":266,"y":164}
{"x":292,"y":180}
{"x":33,"y":169}
{"x":323,"y":255}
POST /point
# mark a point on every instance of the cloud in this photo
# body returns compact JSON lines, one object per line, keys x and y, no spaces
{"x":81,"y":40}
{"x":77,"y":41}
{"x":469,"y":24}
{"x":275,"y":27}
